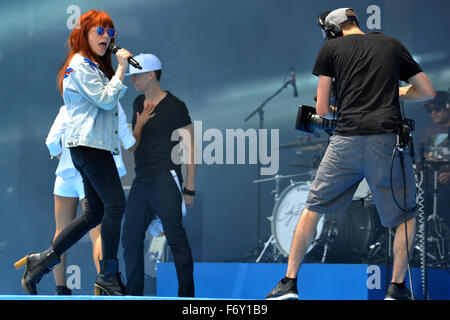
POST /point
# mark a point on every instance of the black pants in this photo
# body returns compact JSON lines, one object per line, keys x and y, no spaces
{"x":149,"y":197}
{"x":105,"y":202}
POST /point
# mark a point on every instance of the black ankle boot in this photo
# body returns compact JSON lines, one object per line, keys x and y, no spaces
{"x":108,"y":282}
{"x":38,"y":264}
{"x":63,"y":291}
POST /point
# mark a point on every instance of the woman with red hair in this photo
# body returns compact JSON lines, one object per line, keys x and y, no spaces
{"x":91,"y":91}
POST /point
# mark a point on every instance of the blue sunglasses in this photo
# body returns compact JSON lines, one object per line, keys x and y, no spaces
{"x":101,"y":31}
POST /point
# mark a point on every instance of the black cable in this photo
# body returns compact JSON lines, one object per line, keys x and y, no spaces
{"x":402,"y":164}
{"x":392,"y":187}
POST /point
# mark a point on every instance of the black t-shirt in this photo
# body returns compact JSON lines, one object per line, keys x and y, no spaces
{"x":153,"y":154}
{"x":367,"y":69}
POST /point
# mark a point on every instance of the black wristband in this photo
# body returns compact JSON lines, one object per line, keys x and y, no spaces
{"x":188,"y":192}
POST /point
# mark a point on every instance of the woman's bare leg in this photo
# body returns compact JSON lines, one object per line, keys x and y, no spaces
{"x":96,"y":246}
{"x":65,"y":211}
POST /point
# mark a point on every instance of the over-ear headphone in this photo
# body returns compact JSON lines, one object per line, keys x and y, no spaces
{"x":331,"y":28}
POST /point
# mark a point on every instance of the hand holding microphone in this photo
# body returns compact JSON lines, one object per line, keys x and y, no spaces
{"x":124,"y":56}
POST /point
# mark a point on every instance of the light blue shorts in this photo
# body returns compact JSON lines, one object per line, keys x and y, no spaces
{"x":69,"y":187}
{"x":347,"y":160}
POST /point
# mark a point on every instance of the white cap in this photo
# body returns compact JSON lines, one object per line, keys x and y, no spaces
{"x":339,"y":16}
{"x":148,"y":62}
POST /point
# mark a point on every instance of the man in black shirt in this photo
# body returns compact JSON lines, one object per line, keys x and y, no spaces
{"x":367,"y":69}
{"x":156,"y":189}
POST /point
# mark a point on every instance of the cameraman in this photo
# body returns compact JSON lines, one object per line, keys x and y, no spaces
{"x":367,"y":69}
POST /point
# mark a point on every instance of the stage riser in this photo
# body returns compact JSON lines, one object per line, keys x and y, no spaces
{"x":316,"y":281}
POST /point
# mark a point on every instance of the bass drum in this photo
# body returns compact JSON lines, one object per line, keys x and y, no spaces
{"x":338,"y":239}
{"x":285,"y":216}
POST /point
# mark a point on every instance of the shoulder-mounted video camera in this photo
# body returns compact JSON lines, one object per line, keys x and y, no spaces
{"x":308,"y":120}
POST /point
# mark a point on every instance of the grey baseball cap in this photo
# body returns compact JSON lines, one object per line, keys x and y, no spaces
{"x":338,"y":16}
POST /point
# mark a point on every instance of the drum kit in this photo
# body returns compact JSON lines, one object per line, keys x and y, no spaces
{"x":337,"y":239}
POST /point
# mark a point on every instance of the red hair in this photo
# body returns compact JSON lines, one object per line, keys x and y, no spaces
{"x":78,"y":43}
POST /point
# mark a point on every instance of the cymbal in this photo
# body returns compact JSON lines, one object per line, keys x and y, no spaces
{"x":278,"y":177}
{"x":301,"y":164}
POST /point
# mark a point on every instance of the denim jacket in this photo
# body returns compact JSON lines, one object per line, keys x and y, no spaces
{"x":91,"y":101}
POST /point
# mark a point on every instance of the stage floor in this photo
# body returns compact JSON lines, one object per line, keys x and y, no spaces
{"x":252,"y":281}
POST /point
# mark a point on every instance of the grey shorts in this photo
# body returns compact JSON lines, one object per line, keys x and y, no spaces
{"x":347,"y":161}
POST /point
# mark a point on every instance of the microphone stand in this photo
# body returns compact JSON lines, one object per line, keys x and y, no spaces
{"x":260,"y":112}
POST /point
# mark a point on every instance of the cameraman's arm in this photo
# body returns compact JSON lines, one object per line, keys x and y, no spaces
{"x":323,"y":96}
{"x":420,"y":88}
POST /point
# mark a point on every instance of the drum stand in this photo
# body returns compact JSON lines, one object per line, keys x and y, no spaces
{"x":436,"y":221}
{"x":329,"y":237}
{"x":271,"y":240}
{"x":433,"y":229}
